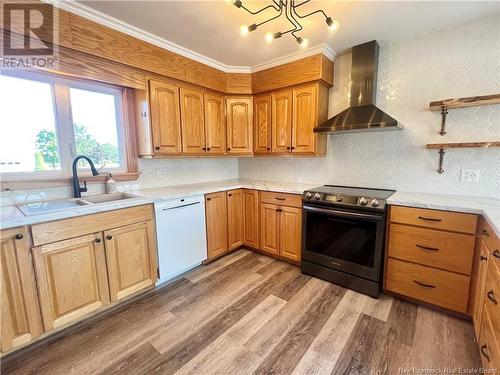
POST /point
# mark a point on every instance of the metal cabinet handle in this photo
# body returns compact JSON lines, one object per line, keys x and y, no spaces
{"x":204,"y":149}
{"x":429,"y":219}
{"x":484,"y":353}
{"x":496,"y":253}
{"x":230,"y":195}
{"x":279,"y":210}
{"x":97,"y":240}
{"x":229,"y":148}
{"x":209,"y":199}
{"x":109,"y":236}
{"x":208,"y":148}
{"x":427,"y":248}
{"x":293,"y":148}
{"x":288,"y":148}
{"x":269,"y":149}
{"x":157,"y":148}
{"x":491,"y":297}
{"x":481,"y":258}
{"x":19,"y":236}
{"x":280,"y":199}
{"x":485,"y":233}
{"x":423,"y":284}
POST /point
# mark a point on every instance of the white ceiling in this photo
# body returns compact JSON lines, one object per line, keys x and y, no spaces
{"x":211,"y":28}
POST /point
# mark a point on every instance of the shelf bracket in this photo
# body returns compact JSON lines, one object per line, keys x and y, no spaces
{"x":441,"y":159}
{"x":444,"y":112}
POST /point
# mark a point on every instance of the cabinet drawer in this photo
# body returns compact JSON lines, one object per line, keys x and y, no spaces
{"x":441,"y":288}
{"x":492,"y":298}
{"x":292,"y":200}
{"x":448,"y":251}
{"x":453,"y":221}
{"x":488,"y":345}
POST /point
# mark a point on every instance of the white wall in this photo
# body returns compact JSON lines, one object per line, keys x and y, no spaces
{"x":454,"y":63}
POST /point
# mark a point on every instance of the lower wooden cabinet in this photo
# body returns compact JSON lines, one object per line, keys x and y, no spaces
{"x":480,"y":285}
{"x":72,"y":279}
{"x":269,"y":228}
{"x":216,"y":218}
{"x":235,"y":219}
{"x":20,"y":312}
{"x":130,"y":258}
{"x":251,"y":218}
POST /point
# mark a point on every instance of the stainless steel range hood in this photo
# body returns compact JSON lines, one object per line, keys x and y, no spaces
{"x":362,"y":115}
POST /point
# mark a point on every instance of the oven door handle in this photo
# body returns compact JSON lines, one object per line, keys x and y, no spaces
{"x":356,"y":215}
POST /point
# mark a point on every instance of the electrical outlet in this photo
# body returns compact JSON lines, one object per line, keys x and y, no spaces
{"x":470,"y":175}
{"x":160,"y":172}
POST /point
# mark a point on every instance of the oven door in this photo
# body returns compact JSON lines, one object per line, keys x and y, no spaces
{"x":347,"y":241}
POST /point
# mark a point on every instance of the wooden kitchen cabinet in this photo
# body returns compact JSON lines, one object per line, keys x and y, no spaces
{"x":304,"y":119}
{"x":235,"y":219}
{"x":192,"y":121}
{"x":480,"y":285}
{"x":216,"y":218}
{"x":130,"y":259}
{"x":281,"y":121}
{"x":215,"y":124}
{"x":290,"y":233}
{"x":262,"y":124}
{"x":239,"y":112}
{"x":270,"y":228}
{"x":251,"y":221}
{"x":165,"y":118}
{"x":72,"y":279}
{"x":20,"y":311}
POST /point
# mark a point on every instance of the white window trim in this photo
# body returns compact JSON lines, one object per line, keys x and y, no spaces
{"x":65,"y":129}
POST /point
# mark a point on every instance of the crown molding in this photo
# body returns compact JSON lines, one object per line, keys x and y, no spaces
{"x":118,"y":25}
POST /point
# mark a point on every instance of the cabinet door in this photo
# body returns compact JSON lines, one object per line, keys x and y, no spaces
{"x":216,"y":215}
{"x":20,"y":319}
{"x":269,"y":228}
{"x":239,"y":125}
{"x":290,"y":233}
{"x":262,"y":124}
{"x":72,"y":279}
{"x":478,"y":301}
{"x":282,"y":121}
{"x":304,"y":119}
{"x":235,"y":219}
{"x":131,"y":259}
{"x":251,"y":211}
{"x":193,"y":121}
{"x":215,"y":124}
{"x":165,"y":118}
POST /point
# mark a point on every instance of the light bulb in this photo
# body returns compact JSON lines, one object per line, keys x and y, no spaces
{"x":304,"y":43}
{"x":244,"y":30}
{"x":269,"y":37}
{"x":332,"y":24}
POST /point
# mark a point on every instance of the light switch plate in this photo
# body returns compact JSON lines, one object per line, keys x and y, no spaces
{"x":470,"y":175}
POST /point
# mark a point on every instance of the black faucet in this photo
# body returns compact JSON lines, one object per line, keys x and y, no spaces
{"x":77,"y":189}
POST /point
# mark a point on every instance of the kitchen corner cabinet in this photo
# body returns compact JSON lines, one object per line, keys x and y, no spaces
{"x":251,"y":215}
{"x":216,"y":218}
{"x":130,"y":254}
{"x":165,"y":118}
{"x":20,"y":311}
{"x":192,"y":121}
{"x":239,"y":116}
{"x":215,"y":124}
{"x":262,"y":124}
{"x":235,"y":219}
{"x":72,"y":279}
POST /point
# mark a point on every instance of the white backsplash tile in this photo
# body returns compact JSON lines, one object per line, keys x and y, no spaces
{"x":449,"y":64}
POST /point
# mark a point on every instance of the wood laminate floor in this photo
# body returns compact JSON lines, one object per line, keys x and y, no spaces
{"x":251,"y":314}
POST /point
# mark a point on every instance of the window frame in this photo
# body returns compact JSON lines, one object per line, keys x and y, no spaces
{"x":65,"y":134}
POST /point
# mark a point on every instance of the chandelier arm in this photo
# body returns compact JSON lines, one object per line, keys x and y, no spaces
{"x":261,"y":10}
{"x":292,"y":20}
{"x":302,"y":3}
{"x":272,"y":18}
{"x":310,"y":14}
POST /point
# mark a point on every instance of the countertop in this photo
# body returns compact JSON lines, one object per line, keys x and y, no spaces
{"x":10,"y":216}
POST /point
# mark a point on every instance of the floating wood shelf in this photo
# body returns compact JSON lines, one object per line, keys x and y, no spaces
{"x":471,"y":101}
{"x":443,"y":146}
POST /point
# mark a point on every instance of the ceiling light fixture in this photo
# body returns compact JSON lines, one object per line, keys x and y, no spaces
{"x":289,"y":8}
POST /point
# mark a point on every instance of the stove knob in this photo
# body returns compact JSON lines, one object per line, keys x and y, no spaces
{"x":317,"y":196}
{"x":375,"y":203}
{"x":363,"y":201}
{"x":309,"y":195}
{"x":339,"y":199}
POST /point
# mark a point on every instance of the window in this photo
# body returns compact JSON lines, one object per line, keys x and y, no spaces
{"x":47,"y":121}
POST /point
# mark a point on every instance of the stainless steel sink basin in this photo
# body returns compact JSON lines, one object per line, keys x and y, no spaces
{"x":36,"y":208}
{"x":105,"y":198}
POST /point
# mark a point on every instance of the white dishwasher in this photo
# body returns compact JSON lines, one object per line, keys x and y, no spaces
{"x":181,"y":235}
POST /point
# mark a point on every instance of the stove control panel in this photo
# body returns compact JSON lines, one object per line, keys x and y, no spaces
{"x":344,"y":200}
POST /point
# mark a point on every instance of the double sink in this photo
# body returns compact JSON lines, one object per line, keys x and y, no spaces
{"x":36,"y":208}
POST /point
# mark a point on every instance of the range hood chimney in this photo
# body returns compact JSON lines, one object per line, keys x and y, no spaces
{"x":362,"y":115}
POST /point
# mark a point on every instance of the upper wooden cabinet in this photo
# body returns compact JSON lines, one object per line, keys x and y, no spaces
{"x":235,"y":219}
{"x":216,"y":218}
{"x":239,"y":125}
{"x":193,"y":121}
{"x":131,"y":259}
{"x":165,"y":118}
{"x":282,"y":121}
{"x":20,"y":312}
{"x":262,"y":124}
{"x":304,"y":119}
{"x":72,"y":279}
{"x":215,"y":124}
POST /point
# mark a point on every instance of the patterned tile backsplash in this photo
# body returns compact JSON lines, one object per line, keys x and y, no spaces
{"x":452,"y":63}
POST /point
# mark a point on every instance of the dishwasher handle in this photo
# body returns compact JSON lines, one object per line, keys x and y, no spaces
{"x":180,"y":206}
